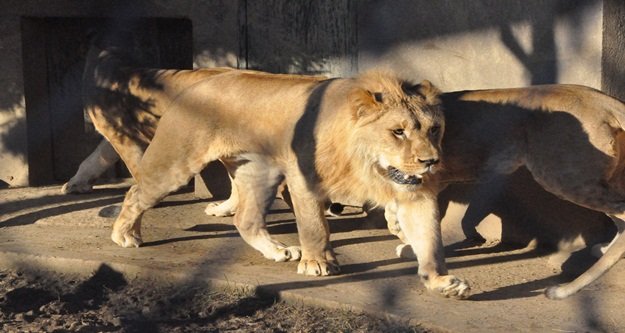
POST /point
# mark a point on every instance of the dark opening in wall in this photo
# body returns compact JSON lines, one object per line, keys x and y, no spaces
{"x":60,"y":136}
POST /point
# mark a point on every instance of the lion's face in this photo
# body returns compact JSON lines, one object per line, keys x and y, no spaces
{"x":410,"y":145}
{"x":403,"y":135}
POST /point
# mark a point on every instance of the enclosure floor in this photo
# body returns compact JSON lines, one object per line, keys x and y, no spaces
{"x":45,"y":230}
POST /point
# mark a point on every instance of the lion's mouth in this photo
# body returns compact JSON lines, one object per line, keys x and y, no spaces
{"x":402,"y":178}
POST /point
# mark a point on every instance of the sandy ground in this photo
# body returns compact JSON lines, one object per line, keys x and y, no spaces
{"x":46,"y":231}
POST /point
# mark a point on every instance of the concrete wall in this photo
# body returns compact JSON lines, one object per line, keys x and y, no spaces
{"x":613,"y":57}
{"x":466,"y":44}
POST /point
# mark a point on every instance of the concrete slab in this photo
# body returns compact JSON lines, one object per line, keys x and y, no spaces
{"x":40,"y":228}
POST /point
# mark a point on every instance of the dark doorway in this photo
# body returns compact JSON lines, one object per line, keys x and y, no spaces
{"x":60,"y":136}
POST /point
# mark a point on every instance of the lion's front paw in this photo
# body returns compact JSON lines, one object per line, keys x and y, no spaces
{"x":128,"y":239}
{"x":318,"y":267}
{"x":449,"y":286}
{"x":224,"y":208}
{"x":288,"y":253}
{"x":76,"y":187}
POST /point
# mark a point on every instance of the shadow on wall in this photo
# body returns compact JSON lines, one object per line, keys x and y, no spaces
{"x":396,"y":22}
{"x":388,"y":26}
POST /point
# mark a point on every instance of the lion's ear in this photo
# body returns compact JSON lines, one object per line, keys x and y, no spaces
{"x":365,"y":102}
{"x":427,"y":91}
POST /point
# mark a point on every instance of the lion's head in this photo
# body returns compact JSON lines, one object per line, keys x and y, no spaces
{"x":399,"y":128}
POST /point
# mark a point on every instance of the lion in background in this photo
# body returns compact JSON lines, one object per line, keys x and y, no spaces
{"x":374,"y":138}
{"x":134,"y":99}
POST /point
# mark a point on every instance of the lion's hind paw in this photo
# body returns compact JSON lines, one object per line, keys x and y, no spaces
{"x":76,"y":187}
{"x":126,"y":240}
{"x":288,"y":253}
{"x":598,"y":250}
{"x":221,"y":209}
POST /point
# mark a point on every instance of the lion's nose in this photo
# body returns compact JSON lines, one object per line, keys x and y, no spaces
{"x":429,"y":162}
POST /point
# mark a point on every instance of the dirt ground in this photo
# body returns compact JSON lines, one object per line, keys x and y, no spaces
{"x":60,"y":271}
{"x":106,"y":302}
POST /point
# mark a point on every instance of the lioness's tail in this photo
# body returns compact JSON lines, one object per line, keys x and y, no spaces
{"x":611,"y":256}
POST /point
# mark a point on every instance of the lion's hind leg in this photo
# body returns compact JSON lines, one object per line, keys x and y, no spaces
{"x":224,"y":208}
{"x":229,"y":206}
{"x":169,"y":163}
{"x":585,"y":186}
{"x":102,"y":158}
{"x":152,"y":186}
{"x":611,"y":257}
{"x":600,"y":198}
{"x":403,"y":250}
{"x":256,"y":182}
{"x":127,"y":227}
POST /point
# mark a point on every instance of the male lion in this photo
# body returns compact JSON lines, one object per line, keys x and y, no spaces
{"x":374,"y":138}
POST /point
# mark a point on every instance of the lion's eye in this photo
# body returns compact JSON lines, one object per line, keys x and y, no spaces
{"x":434,"y":130}
{"x":398,"y":131}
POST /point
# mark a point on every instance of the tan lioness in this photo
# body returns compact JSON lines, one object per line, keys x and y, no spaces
{"x":571,"y":138}
{"x":373,"y":138}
